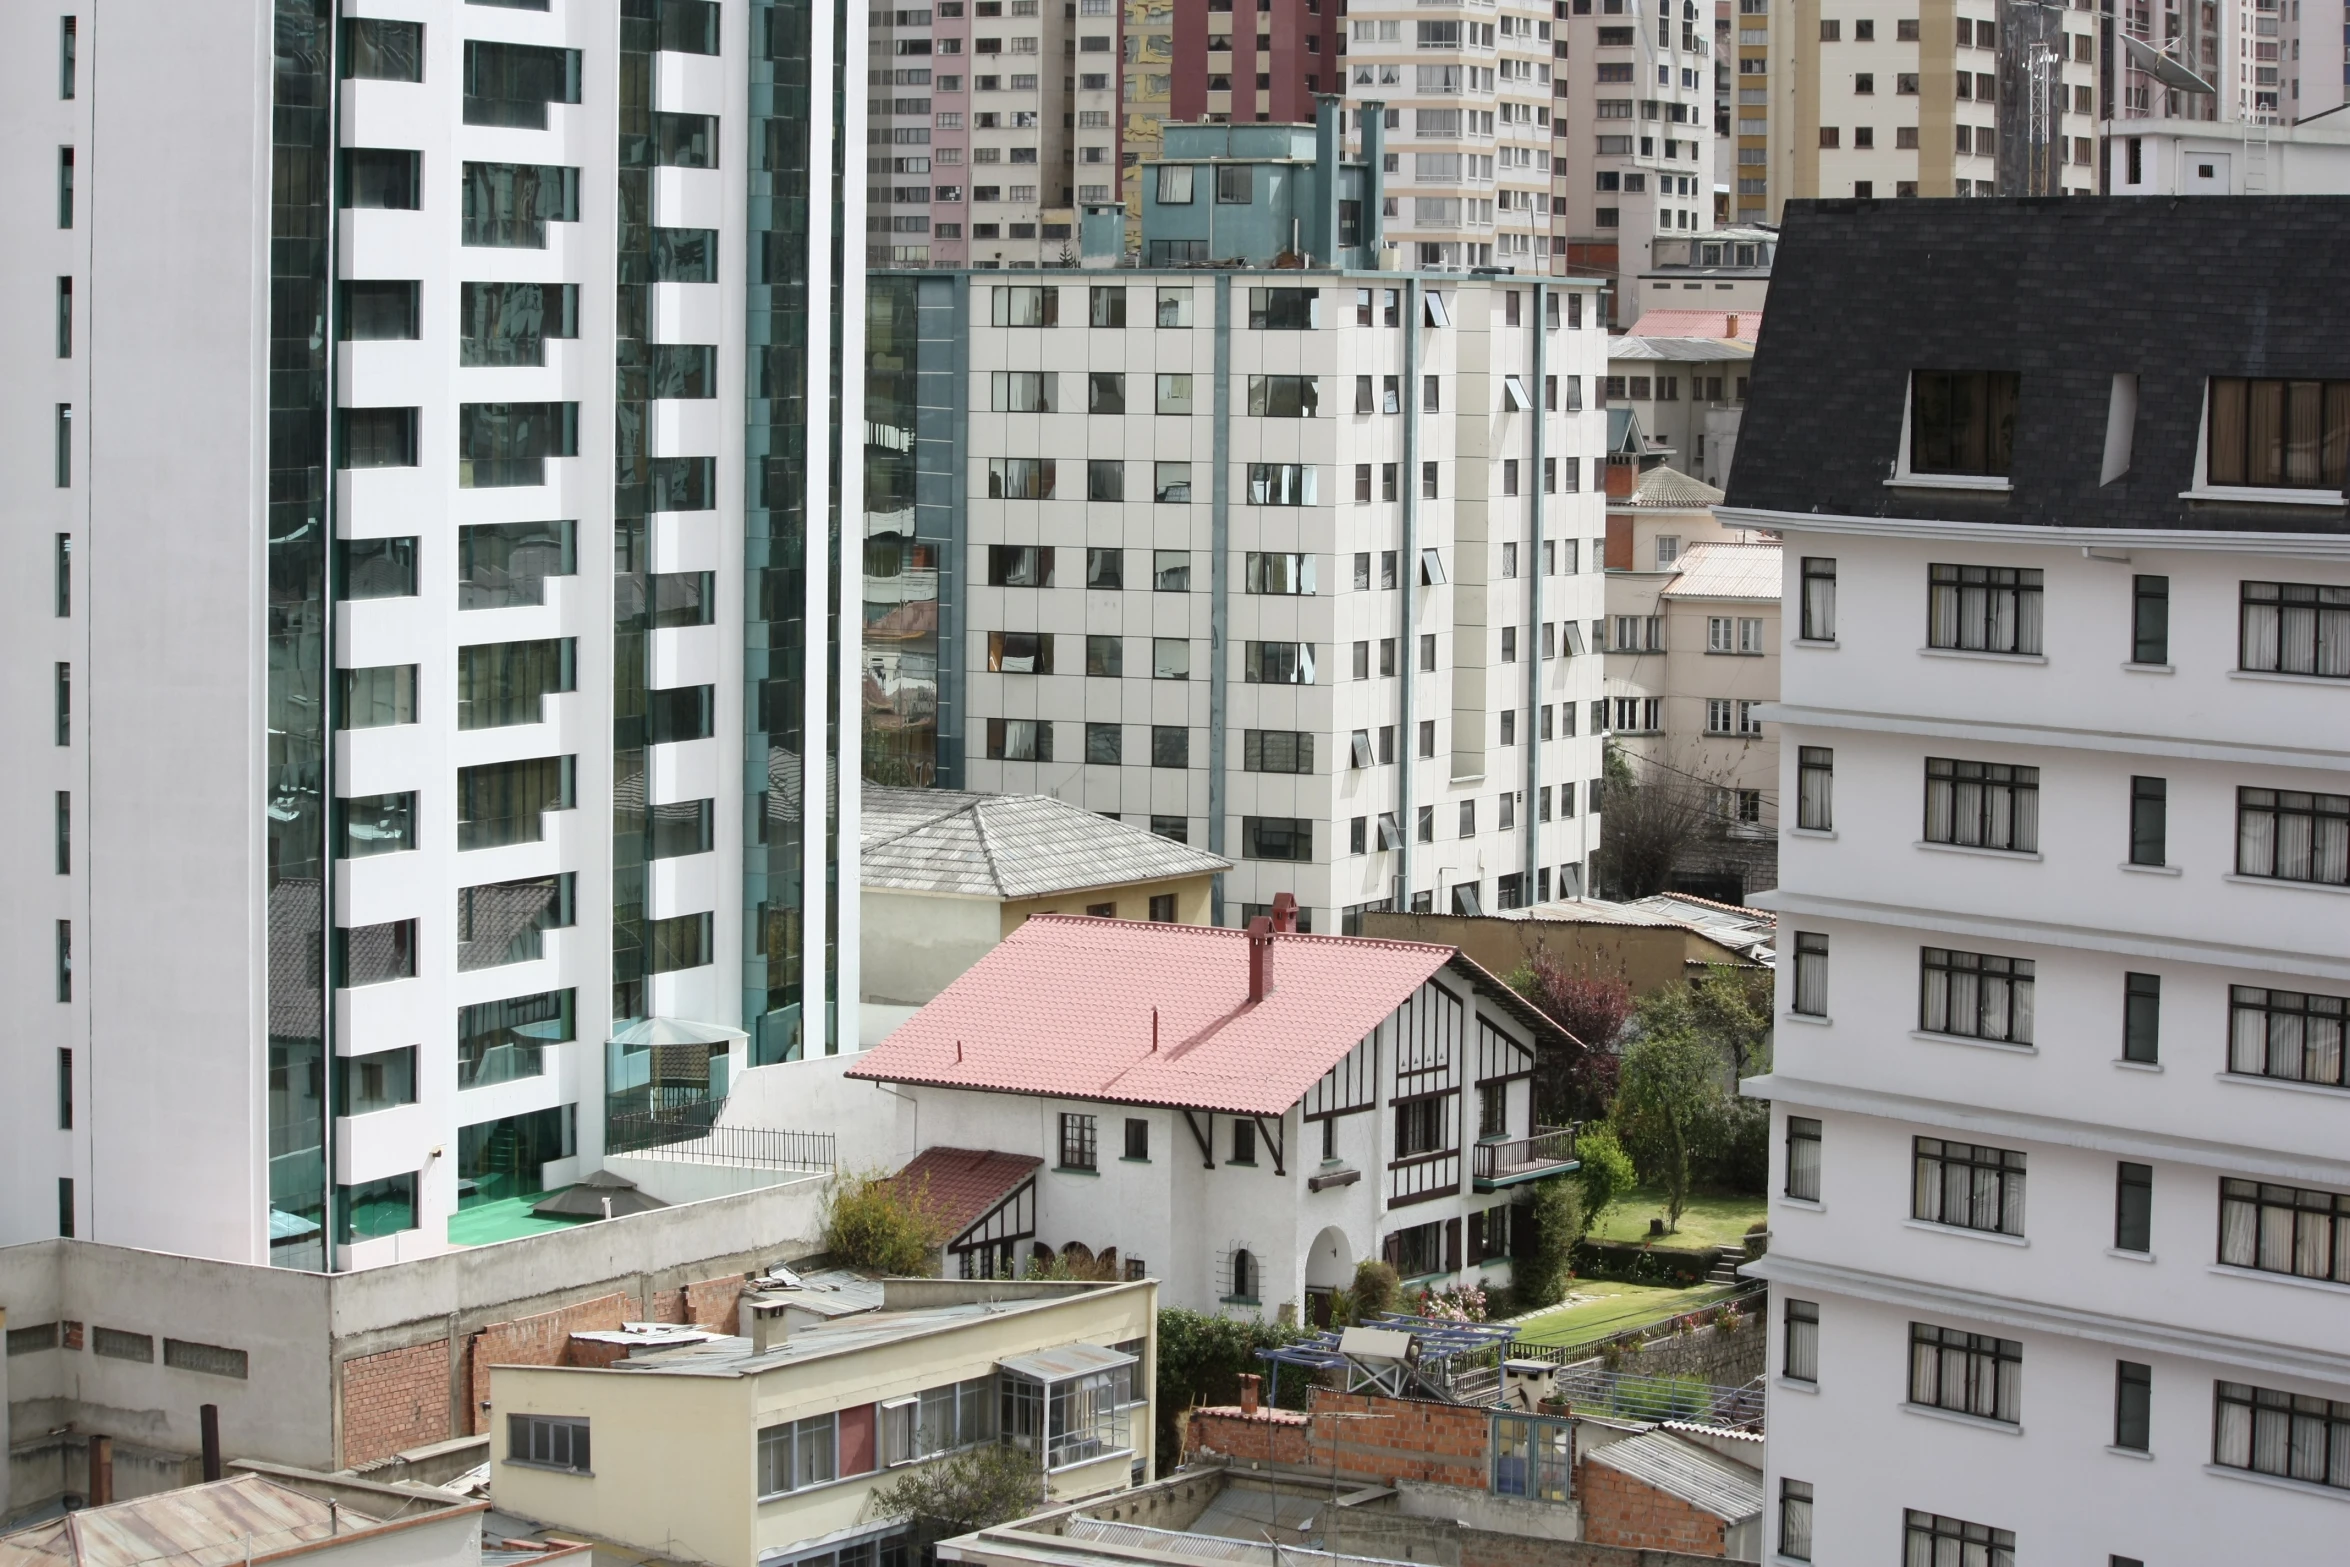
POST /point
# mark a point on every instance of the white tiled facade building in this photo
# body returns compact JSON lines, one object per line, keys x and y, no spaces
{"x":1306,"y":637}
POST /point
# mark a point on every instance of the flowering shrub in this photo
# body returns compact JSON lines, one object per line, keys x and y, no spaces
{"x":1459,"y":1305}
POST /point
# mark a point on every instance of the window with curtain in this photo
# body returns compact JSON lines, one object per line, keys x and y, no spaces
{"x":1815,"y":788}
{"x":1803,"y":1158}
{"x":1976,"y":995}
{"x":1819,"y":598}
{"x":2284,"y":1229}
{"x":798,"y":1453}
{"x":1931,"y":1540}
{"x":1970,"y":1373}
{"x":1811,"y":974}
{"x":1795,"y":1520}
{"x":2293,"y":1436}
{"x":2286,"y":1034}
{"x":1966,"y":1185}
{"x":1962,"y":421}
{"x":2277,"y":434}
{"x":1533,"y":1458}
{"x":2293,"y":835}
{"x":2293,"y":628}
{"x":1799,"y":1358}
{"x":1983,"y":805}
{"x":1984,"y":609}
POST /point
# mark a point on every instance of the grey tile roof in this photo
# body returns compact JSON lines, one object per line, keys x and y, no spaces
{"x":1010,"y":846}
{"x":2068,"y":292}
{"x":1702,"y":1478}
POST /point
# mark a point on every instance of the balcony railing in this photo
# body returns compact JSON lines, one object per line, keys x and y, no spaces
{"x":1548,"y":1152}
{"x":670,"y":1135}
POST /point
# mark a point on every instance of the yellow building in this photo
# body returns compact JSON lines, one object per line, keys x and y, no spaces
{"x":1144,"y":105}
{"x":768,"y":1448}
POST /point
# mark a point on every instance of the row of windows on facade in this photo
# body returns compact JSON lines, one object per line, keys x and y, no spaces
{"x":1468,"y":897}
{"x":1263,"y":483}
{"x":2288,"y":1035}
{"x":2291,"y":628}
{"x":1294,"y":573}
{"x":1421,"y":1125}
{"x":1265,"y":662}
{"x":1269,"y":309}
{"x":1268,"y":396}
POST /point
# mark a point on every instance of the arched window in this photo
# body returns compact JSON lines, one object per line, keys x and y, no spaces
{"x":1244,"y":1276}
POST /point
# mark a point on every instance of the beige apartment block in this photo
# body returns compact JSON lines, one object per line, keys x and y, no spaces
{"x":768,"y":1447}
{"x":1919,"y":98}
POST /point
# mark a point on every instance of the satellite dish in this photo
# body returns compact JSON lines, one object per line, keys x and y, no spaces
{"x":2145,"y":57}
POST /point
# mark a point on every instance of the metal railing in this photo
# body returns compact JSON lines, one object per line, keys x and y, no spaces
{"x":682,"y":1139}
{"x":1592,"y":1390}
{"x":1524,"y":1155}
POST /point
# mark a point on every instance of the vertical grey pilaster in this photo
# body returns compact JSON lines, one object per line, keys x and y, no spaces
{"x":1219,"y":585}
{"x":1537,"y":488}
{"x":1407,"y":577}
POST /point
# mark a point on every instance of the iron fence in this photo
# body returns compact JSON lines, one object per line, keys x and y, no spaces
{"x":683,"y":1139}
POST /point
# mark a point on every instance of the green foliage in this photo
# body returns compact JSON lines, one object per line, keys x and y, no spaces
{"x":870,"y":1224}
{"x":1607,"y":1172}
{"x":1574,"y":1083}
{"x":1672,"y":1089}
{"x":1540,"y":1271}
{"x":1727,"y":1006}
{"x":1376,"y":1288}
{"x":1202,"y":1359}
{"x":974,"y":1489}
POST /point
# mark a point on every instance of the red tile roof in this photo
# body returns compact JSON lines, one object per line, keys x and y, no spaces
{"x":1064,"y":1007}
{"x":957,"y":1186}
{"x":1698,"y":323}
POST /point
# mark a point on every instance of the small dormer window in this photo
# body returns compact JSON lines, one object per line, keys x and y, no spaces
{"x":2277,"y":435}
{"x":1962,"y":421}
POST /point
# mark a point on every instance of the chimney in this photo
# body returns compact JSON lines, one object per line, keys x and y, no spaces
{"x":1260,"y":958}
{"x":765,"y":1324}
{"x":101,"y":1470}
{"x":208,"y":1418}
{"x":1284,"y":914}
{"x":1248,"y":1395}
{"x":1733,"y":332}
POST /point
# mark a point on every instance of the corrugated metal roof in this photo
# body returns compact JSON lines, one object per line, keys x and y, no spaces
{"x":1009,"y":846}
{"x":1064,"y":1361}
{"x":1727,"y":571}
{"x":1679,"y":350}
{"x":1206,"y":1547}
{"x":215,"y":1525}
{"x":1666,"y":488}
{"x":1703,"y":1479}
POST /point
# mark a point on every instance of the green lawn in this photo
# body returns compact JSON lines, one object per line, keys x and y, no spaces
{"x":1598,"y":1309}
{"x":1709,"y":1220}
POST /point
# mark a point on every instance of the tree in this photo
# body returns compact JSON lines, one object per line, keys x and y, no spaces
{"x":870,"y":1222}
{"x":1649,"y":823}
{"x":1201,"y":1361}
{"x":1575,"y":1084}
{"x":1607,"y":1172}
{"x":974,"y":1489}
{"x":1538,"y":1273}
{"x":1671,"y":1091}
{"x":1728,"y":1005}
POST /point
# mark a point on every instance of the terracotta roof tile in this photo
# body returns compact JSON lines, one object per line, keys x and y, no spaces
{"x":958,"y":1185}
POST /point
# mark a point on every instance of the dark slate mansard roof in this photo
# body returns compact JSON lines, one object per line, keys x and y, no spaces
{"x":2067,"y":291}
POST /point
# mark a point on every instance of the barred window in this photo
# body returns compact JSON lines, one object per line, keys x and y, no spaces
{"x":2293,"y":835}
{"x":1972,"y":1373}
{"x":1971,"y":1187}
{"x":1977,"y":995}
{"x":1799,"y":1361}
{"x":2284,"y":1229}
{"x":2287,"y":1034}
{"x":2294,"y":628}
{"x":2291,"y":1435}
{"x":1930,"y":1538}
{"x":1984,"y":609}
{"x":1984,"y":805}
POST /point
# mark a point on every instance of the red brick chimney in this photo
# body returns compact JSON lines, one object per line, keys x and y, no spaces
{"x":1248,"y":1390}
{"x":1733,"y":332}
{"x":1284,"y":914}
{"x":1260,"y":958}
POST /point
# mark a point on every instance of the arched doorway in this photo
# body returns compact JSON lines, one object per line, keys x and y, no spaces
{"x":1330,"y":1267}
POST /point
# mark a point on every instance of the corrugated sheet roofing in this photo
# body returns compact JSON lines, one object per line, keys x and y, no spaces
{"x":1666,"y":488}
{"x":218,"y":1524}
{"x":1698,"y":1476}
{"x":1010,"y":846}
{"x":1727,"y":571}
{"x":1679,"y":350}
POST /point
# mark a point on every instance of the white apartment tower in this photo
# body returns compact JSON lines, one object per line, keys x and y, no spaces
{"x":422,"y":444}
{"x":2060,"y":1201}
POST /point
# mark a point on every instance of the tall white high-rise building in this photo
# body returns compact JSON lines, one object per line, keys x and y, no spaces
{"x":2060,"y":1201}
{"x":422,"y":448}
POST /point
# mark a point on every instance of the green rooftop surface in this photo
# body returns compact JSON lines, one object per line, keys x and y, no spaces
{"x":1599,"y":1309}
{"x":506,"y":1219}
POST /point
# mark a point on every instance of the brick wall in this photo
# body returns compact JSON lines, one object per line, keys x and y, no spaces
{"x":1381,"y":1440}
{"x":396,"y":1400}
{"x":542,"y":1340}
{"x":711,"y":1304}
{"x":1619,"y":1510}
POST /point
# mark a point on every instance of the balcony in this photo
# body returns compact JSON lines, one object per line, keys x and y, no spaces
{"x":1550,"y":1151}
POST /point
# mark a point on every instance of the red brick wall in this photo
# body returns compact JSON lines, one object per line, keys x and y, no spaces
{"x":542,"y":1340}
{"x":1619,"y":1510}
{"x":396,"y":1400}
{"x":1406,"y":1439}
{"x":711,"y":1303}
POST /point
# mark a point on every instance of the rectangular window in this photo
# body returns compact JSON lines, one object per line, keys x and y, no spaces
{"x":1795,"y":1520}
{"x":1019,"y":740}
{"x":502,"y":803}
{"x":1803,"y":1158}
{"x":1170,"y":658}
{"x":798,"y":1454}
{"x":375,"y":697}
{"x":1173,"y":394}
{"x":1929,"y":1537}
{"x":2275,"y":434}
{"x":502,"y":922}
{"x":1104,"y":744}
{"x":381,"y":51}
{"x":503,"y":564}
{"x":1170,"y":571}
{"x":1276,"y":838}
{"x":1975,"y":995}
{"x":368,"y":1211}
{"x":1020,"y":478}
{"x":65,"y":318}
{"x":2133,"y":1398}
{"x":2133,"y":1208}
{"x":1799,"y":1359}
{"x":509,"y":205}
{"x":1811,"y":973}
{"x":683,"y":942}
{"x":1962,"y":421}
{"x":1984,"y":609}
{"x":1019,"y":653}
{"x":507,"y":324}
{"x":384,"y":178}
{"x":1277,"y":663}
{"x":1105,"y":392}
{"x":65,"y":446}
{"x":1282,"y":396}
{"x":1077,"y":1142}
{"x":1988,"y":805}
{"x":549,"y":1442}
{"x":1264,"y":572}
{"x":509,"y":84}
{"x":1819,"y":598}
{"x":2150,"y":620}
{"x":1105,"y":305}
{"x":2286,"y":1034}
{"x":1019,"y":566}
{"x":374,"y":824}
{"x":1280,"y":484}
{"x":2149,"y":807}
{"x":1138,"y":1137}
{"x":65,"y":1090}
{"x":374,"y":954}
{"x":62,"y":693}
{"x":1971,"y":1187}
{"x":1105,"y":656}
{"x":1815,"y":788}
{"x":1170,"y":745}
{"x":1023,"y":391}
{"x":382,"y":1080}
{"x":1278,"y":751}
{"x":2294,"y":628}
{"x":65,"y":187}
{"x":2293,"y":835}
{"x":1972,"y":1373}
{"x":500,"y":445}
{"x":384,"y":311}
{"x":503,"y":683}
{"x":1284,"y":309}
{"x":2291,"y":1435}
{"x":502,"y":1041}
{"x":2142,"y":1018}
{"x":66,"y":40}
